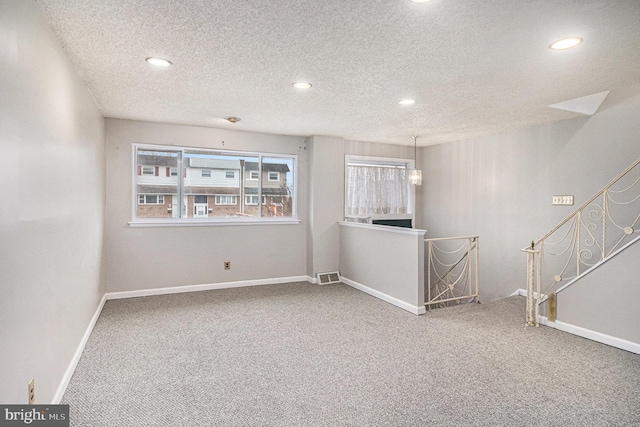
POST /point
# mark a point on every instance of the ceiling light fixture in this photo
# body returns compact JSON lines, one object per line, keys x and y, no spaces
{"x":407,"y":102}
{"x":232,"y":119}
{"x":566,"y":43}
{"x":302,"y":85}
{"x":420,"y":1}
{"x":159,"y":62}
{"x":415,"y":174}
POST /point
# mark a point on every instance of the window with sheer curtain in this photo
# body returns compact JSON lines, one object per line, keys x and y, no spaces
{"x":377,"y":189}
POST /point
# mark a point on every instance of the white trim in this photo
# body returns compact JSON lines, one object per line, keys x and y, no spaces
{"x":312,"y":280}
{"x":598,"y":264}
{"x":395,"y":161}
{"x":387,"y":298}
{"x":204,"y":287}
{"x":592,"y":335}
{"x":389,"y":228}
{"x":523,"y":293}
{"x":195,"y":222}
{"x":62,"y":388}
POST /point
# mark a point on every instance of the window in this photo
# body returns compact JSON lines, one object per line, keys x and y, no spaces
{"x":151,"y":199}
{"x":253,"y":200}
{"x":378,"y":188}
{"x":226,"y":200}
{"x":211,"y":186}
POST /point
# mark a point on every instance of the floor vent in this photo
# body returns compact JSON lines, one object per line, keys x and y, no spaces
{"x":328,"y":278}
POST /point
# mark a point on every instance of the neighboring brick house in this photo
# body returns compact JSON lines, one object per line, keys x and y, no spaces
{"x":211,"y":187}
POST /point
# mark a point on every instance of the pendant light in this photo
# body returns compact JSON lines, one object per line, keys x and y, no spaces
{"x":415,"y":175}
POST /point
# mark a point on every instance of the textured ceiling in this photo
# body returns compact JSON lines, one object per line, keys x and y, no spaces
{"x":473,"y":67}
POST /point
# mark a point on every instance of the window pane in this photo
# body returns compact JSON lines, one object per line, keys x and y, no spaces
{"x":209,"y":178}
{"x":278,"y":189}
{"x":376,"y":190}
{"x":156,"y":192}
{"x":250,"y":187}
{"x":178,"y":182}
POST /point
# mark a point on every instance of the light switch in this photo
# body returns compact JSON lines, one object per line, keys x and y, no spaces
{"x":563,"y":200}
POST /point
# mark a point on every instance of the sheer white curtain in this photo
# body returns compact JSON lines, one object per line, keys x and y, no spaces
{"x":376,"y":190}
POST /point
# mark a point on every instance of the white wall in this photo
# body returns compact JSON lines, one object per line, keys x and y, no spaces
{"x":387,"y":262}
{"x":326,"y":194}
{"x":606,"y":300}
{"x":326,"y":201}
{"x":500,"y":187}
{"x":162,"y":257}
{"x":51,"y":215}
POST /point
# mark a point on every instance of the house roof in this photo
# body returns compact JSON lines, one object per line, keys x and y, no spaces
{"x":472,"y":67}
{"x":272,"y":167}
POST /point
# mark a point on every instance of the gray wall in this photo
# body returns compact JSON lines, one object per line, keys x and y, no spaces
{"x":326,"y":201}
{"x":500,"y":187}
{"x":52,"y":210}
{"x":388,"y":260}
{"x":606,"y":300}
{"x":160,"y":257}
{"x":326,"y":194}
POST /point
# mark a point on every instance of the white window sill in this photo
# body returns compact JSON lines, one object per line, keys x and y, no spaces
{"x":213,"y":223}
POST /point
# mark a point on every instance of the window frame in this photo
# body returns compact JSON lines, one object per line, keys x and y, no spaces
{"x":251,"y":196}
{"x":269,"y":176}
{"x":292,"y":159}
{"x":382,"y":161}
{"x":226,"y":196}
{"x":145,"y":203}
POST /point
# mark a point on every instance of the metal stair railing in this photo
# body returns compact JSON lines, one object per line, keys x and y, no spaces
{"x":452,"y":270}
{"x":587,"y":237}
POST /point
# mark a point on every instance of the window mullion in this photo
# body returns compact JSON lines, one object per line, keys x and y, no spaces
{"x":180,"y":185}
{"x":260,"y":186}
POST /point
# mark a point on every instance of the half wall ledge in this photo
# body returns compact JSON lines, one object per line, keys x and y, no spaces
{"x":387,"y":260}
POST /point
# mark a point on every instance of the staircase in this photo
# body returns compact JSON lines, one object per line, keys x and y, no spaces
{"x":601,"y":228}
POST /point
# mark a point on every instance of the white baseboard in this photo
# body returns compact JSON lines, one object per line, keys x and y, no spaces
{"x":312,"y":280}
{"x":523,"y":293}
{"x":592,"y":335}
{"x":78,"y":353}
{"x":205,"y":287}
{"x":387,"y":298}
{"x":585,"y":333}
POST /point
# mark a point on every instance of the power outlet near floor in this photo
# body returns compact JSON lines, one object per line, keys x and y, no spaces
{"x":31,"y":388}
{"x":227,"y":265}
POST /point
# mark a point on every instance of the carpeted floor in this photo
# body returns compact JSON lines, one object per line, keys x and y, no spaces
{"x":306,"y":355}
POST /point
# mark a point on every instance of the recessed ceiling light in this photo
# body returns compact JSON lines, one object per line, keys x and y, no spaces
{"x":420,"y":1}
{"x":302,"y":85}
{"x":159,"y":62}
{"x":566,"y":43}
{"x":407,"y":102}
{"x":232,"y":119}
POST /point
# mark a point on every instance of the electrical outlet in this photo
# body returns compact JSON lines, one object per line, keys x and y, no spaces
{"x":31,"y":389}
{"x":227,"y":265}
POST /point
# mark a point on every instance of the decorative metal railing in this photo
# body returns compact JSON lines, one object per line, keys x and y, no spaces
{"x":452,"y":270}
{"x":587,"y":237}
